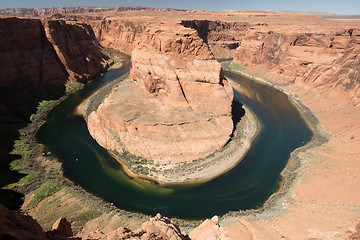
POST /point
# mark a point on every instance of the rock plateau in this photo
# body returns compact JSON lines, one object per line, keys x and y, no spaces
{"x":175,"y":107}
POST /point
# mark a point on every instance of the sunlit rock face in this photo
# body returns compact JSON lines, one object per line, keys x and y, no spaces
{"x":325,"y":57}
{"x":175,"y":107}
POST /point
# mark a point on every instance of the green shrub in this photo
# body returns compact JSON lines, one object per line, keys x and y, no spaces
{"x":45,"y":190}
{"x":72,"y":86}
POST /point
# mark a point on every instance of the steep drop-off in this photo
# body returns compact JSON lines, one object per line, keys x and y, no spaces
{"x":177,"y":105}
{"x":120,"y":34}
{"x":39,"y":56}
{"x":315,"y":58}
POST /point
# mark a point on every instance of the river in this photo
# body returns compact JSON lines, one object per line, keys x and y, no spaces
{"x":246,"y":186}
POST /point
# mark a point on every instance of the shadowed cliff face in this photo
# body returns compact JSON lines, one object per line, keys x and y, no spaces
{"x":38,"y":57}
{"x":224,"y":34}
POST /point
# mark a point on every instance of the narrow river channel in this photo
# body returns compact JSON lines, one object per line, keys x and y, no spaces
{"x":246,"y":186}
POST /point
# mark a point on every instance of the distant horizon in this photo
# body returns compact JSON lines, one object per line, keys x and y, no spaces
{"x":345,"y":7}
{"x":182,"y":9}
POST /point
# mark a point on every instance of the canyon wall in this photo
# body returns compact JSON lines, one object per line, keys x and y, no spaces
{"x":39,"y":56}
{"x":316,"y":57}
{"x":221,"y":36}
{"x":177,"y":106}
{"x":120,"y":34}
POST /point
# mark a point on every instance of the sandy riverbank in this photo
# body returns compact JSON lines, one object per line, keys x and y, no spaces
{"x":321,"y":196}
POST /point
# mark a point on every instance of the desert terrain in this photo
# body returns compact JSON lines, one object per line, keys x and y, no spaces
{"x":313,"y":60}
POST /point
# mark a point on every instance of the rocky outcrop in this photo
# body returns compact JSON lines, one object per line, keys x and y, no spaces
{"x":209,"y":230}
{"x":162,"y":227}
{"x":39,"y":56}
{"x":177,"y":106}
{"x":62,"y":226}
{"x":318,"y":59}
{"x":14,"y":225}
{"x":17,"y":226}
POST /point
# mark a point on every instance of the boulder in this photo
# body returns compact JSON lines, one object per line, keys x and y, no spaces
{"x":63,"y":226}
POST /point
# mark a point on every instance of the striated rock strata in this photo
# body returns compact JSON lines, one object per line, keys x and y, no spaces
{"x":318,"y":57}
{"x":120,"y":34}
{"x":177,"y":105}
{"x":39,"y":56}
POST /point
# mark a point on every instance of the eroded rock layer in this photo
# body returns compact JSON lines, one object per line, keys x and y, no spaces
{"x":39,"y":56}
{"x":177,"y":105}
{"x":317,"y":57}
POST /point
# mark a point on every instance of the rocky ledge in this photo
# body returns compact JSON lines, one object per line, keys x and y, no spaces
{"x":176,"y":106}
{"x":17,"y":226}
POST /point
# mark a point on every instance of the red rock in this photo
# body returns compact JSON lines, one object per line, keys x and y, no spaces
{"x":324,"y":58}
{"x":39,"y":56}
{"x":14,"y":225}
{"x":162,"y":228}
{"x":63,"y":226}
{"x":209,"y":230}
{"x":178,"y":106}
{"x":118,"y":34}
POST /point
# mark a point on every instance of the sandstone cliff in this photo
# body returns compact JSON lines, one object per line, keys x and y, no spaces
{"x":39,"y":56}
{"x":223,"y":37}
{"x":120,"y":34}
{"x":177,"y":106}
{"x":318,"y":58}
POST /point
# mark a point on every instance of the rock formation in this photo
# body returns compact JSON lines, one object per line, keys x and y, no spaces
{"x":316,"y":58}
{"x":63,"y":226}
{"x":209,"y":230}
{"x":39,"y":56}
{"x":17,"y":226}
{"x":221,"y":36}
{"x":356,"y":234}
{"x":177,"y":106}
{"x":118,"y":34}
